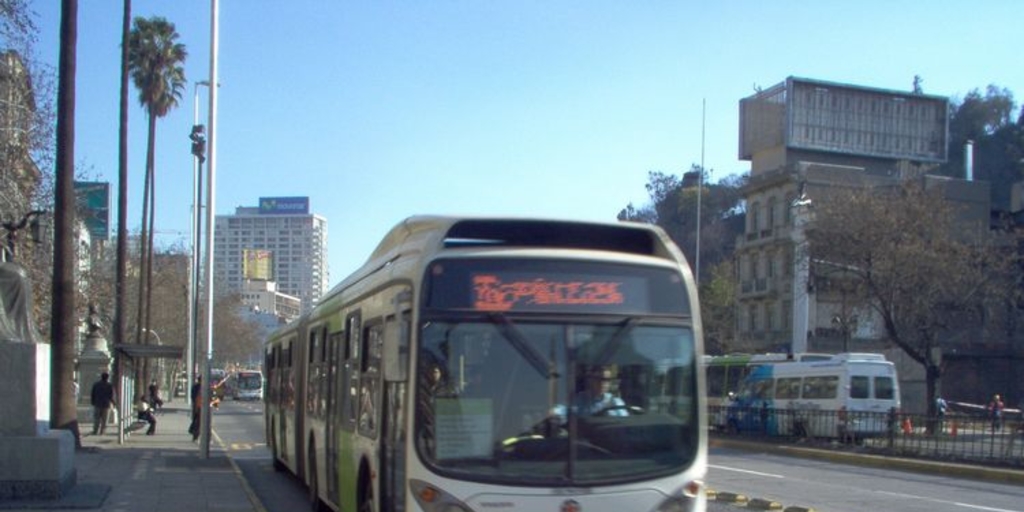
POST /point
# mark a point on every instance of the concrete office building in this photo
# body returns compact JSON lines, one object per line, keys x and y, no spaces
{"x":278,"y":241}
{"x":807,"y":136}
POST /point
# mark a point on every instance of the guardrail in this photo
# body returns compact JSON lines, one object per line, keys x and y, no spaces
{"x":956,"y":437}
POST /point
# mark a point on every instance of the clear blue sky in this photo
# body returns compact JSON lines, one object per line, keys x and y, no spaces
{"x":378,"y":110}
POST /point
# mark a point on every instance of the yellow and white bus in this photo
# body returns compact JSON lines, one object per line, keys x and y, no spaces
{"x":444,"y":374}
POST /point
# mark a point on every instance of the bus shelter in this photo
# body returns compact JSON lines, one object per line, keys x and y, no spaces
{"x":129,"y":356}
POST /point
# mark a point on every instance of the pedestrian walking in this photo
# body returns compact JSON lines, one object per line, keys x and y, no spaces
{"x":940,"y":412}
{"x":995,"y":411}
{"x":197,"y":396}
{"x":102,"y":399}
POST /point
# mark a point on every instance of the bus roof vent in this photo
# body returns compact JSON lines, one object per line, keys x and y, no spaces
{"x":859,"y":356}
{"x":628,"y":238}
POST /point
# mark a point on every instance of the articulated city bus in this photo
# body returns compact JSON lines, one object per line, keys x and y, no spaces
{"x":448,"y":373}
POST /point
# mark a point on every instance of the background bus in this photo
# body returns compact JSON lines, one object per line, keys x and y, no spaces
{"x":247,"y":385}
{"x":447,"y":373}
{"x":726,"y":373}
{"x":849,"y":395}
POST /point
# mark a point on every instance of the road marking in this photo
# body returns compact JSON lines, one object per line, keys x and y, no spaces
{"x":747,"y":471}
{"x":935,"y":500}
{"x":979,"y":507}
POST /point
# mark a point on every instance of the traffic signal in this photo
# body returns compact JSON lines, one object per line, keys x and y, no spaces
{"x":198,"y":142}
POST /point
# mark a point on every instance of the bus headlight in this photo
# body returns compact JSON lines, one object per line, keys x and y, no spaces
{"x":686,"y":501}
{"x":432,"y":499}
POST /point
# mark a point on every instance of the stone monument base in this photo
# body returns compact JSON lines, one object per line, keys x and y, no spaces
{"x":37,"y":467}
{"x":35,"y":462}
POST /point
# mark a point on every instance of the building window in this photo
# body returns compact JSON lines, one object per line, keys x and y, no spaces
{"x":755,"y":217}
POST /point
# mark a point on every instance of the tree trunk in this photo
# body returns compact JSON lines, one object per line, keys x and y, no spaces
{"x":151,"y":190}
{"x":120,"y":286}
{"x":144,"y":262}
{"x":63,"y":323}
{"x":932,"y":374}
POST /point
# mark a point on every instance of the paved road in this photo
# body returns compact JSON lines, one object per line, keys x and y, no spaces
{"x":239,"y":425}
{"x":834,"y":487}
{"x":824,"y":486}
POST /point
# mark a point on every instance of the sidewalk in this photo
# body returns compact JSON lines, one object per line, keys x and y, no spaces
{"x":161,"y":473}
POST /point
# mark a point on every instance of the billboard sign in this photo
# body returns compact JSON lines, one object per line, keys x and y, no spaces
{"x":284,"y":205}
{"x":257,"y":264}
{"x":93,"y":200}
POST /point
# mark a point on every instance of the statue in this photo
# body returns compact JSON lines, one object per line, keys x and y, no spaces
{"x":16,"y":323}
{"x":94,"y":321}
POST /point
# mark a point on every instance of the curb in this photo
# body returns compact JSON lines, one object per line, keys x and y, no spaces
{"x":731,"y":497}
{"x":761,"y":504}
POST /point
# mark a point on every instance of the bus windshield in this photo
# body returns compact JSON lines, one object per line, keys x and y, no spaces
{"x":249,"y":380}
{"x":570,"y":402}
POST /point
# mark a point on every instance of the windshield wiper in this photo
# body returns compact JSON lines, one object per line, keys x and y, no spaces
{"x":616,"y":340}
{"x":543,"y":366}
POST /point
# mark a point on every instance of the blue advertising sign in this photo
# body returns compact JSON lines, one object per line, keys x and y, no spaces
{"x":284,"y":205}
{"x":93,"y":199}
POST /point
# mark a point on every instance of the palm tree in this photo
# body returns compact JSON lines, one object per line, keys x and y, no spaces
{"x":155,"y":60}
{"x":63,"y":411}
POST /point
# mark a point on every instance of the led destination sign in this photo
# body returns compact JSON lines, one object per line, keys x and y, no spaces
{"x":491,"y":293}
{"x":553,"y":286}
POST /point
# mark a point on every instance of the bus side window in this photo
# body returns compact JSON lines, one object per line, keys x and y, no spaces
{"x":350,"y":407}
{"x":884,"y":388}
{"x":369,"y":394}
{"x":821,"y":387}
{"x":788,"y":388}
{"x":860,"y":387}
{"x":763,"y":389}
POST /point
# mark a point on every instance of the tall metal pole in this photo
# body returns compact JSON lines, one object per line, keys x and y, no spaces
{"x":211,"y":177}
{"x":700,"y":188}
{"x":193,"y":296}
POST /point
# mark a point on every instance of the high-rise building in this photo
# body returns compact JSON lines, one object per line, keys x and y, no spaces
{"x":279,"y":241}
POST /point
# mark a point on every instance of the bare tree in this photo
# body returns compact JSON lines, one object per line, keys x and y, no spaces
{"x":914,"y":259}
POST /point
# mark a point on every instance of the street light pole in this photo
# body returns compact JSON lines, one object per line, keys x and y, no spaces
{"x":211,"y":177}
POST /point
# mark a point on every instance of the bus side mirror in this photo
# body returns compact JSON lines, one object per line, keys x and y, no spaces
{"x":396,"y":339}
{"x":396,"y":351}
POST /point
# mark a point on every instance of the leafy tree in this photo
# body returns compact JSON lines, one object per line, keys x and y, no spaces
{"x":924,"y":272}
{"x":239,"y":338}
{"x":718,"y":308}
{"x":988,"y":121}
{"x":155,"y":60}
{"x":673,"y":206}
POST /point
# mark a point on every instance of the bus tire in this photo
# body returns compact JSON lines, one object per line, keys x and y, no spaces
{"x":365,"y":503}
{"x":274,"y":455}
{"x":315,"y":505}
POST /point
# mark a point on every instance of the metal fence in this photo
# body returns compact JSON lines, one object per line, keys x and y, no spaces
{"x":962,"y":438}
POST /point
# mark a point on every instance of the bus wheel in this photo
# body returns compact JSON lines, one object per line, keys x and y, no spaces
{"x":275,"y":456}
{"x":315,"y":505}
{"x":366,"y":497}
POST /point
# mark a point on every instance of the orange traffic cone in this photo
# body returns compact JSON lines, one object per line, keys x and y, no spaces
{"x":907,"y":427}
{"x":953,"y":428}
